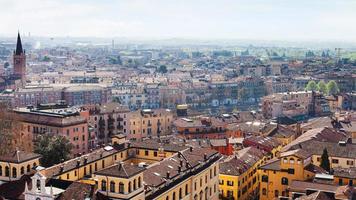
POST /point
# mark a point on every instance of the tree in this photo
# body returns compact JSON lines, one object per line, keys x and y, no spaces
{"x":332,"y":87}
{"x":53,"y":149}
{"x":162,"y":69}
{"x":322,"y":87}
{"x":325,"y":162}
{"x":311,"y":86}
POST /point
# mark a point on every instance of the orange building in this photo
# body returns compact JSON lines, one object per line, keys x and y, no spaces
{"x":66,"y":122}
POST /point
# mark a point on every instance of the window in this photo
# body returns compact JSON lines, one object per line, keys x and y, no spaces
{"x":139,"y":181}
{"x":276,"y":193}
{"x":351,"y":182}
{"x":264,"y":191}
{"x":290,"y":171}
{"x":28,"y":168}
{"x":22,"y":170}
{"x":221,"y":182}
{"x":174,"y":196}
{"x":291,"y":161}
{"x":284,"y":181}
{"x":112,"y":186}
{"x":230,"y":183}
{"x":180,"y":195}
{"x":134,"y":184}
{"x":230,"y":193}
{"x":0,"y":170}
{"x":103,"y":164}
{"x":285,"y":160}
{"x":121,"y":188}
{"x":103,"y":185}
{"x":146,"y":153}
{"x":340,"y":181}
{"x":264,"y":178}
{"x":335,"y":161}
{"x":14,"y":172}
{"x":299,"y":161}
{"x":155,"y":154}
{"x":186,"y":189}
{"x":350,"y":162}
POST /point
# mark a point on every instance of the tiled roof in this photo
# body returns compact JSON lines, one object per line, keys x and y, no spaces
{"x":73,"y":163}
{"x":155,"y":145}
{"x":156,"y":174}
{"x":121,"y":170}
{"x":241,"y":162}
{"x":347,"y":173}
{"x":19,"y":157}
{"x":78,"y":190}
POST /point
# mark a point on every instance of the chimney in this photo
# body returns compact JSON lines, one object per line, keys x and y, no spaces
{"x":179,"y":169}
{"x":62,"y":168}
{"x":85,"y":160}
{"x":205,"y":157}
{"x":187,"y":165}
{"x":191,"y":149}
{"x":78,"y":162}
{"x":168,"y":173}
{"x":181,"y":162}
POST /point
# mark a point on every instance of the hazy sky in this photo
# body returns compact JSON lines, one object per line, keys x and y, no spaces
{"x":215,"y":19}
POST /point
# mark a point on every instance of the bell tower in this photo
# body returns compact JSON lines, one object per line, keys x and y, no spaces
{"x":19,"y":61}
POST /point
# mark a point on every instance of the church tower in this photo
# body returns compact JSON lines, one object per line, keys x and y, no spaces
{"x":19,"y":61}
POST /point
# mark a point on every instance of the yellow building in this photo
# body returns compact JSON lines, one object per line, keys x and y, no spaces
{"x":148,"y":123}
{"x":145,"y":170}
{"x":16,"y":164}
{"x":239,"y":178}
{"x":121,"y":181}
{"x":278,"y":173}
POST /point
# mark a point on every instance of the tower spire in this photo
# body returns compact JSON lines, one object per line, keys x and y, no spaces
{"x":19,"y":49}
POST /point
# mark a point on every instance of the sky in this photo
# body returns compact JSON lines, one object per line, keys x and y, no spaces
{"x":194,"y":19}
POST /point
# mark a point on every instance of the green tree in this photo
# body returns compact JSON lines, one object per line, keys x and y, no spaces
{"x":311,"y":86}
{"x":325,"y":162}
{"x":162,"y":69}
{"x":332,"y":87}
{"x":53,"y":149}
{"x":322,"y":87}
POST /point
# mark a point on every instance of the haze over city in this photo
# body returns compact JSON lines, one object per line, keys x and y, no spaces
{"x":321,"y":20}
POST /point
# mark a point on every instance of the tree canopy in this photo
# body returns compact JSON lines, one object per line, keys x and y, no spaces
{"x":162,"y":69}
{"x":325,"y":162}
{"x":53,"y":149}
{"x":311,"y":86}
{"x":322,"y":87}
{"x":332,"y":87}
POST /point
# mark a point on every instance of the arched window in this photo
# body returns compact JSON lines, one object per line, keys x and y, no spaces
{"x":103,"y":185}
{"x":264,"y":191}
{"x":264,"y":178}
{"x":201,"y":195}
{"x":28,"y":168}
{"x":291,"y":161}
{"x":22,"y":170}
{"x":34,"y":165}
{"x":129,"y":187}
{"x":167,"y":197}
{"x":299,"y":161}
{"x":285,"y":160}
{"x":139,"y":181}
{"x":186,"y":189}
{"x":214,"y":170}
{"x":174,"y":196}
{"x":134,"y":184}
{"x":121,"y":188}
{"x":7,"y":171}
{"x":196,"y":197}
{"x":0,"y":170}
{"x":284,"y":181}
{"x":180,"y":193}
{"x":112,"y":186}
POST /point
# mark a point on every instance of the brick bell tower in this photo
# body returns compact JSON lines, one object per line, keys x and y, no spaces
{"x":19,"y":61}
